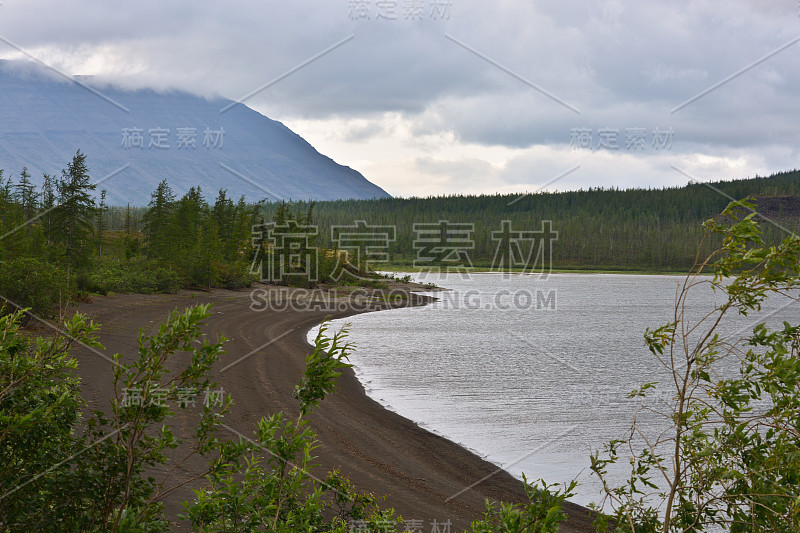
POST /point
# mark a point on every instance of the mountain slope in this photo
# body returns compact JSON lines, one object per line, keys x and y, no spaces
{"x":142,"y":137}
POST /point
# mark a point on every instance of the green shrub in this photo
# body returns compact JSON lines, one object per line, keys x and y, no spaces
{"x":29,"y":282}
{"x":234,"y":276}
{"x":137,"y":277}
{"x":725,"y":455}
{"x":542,"y":513}
{"x":58,"y":473}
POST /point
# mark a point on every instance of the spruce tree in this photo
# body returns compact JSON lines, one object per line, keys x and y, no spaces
{"x":74,"y":214}
{"x":47,"y":203}
{"x":157,"y":223}
{"x":25,"y":195}
{"x":101,"y":223}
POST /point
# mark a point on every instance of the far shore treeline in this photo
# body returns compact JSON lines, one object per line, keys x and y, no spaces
{"x":606,"y":229}
{"x":61,"y":241}
{"x":598,"y":229}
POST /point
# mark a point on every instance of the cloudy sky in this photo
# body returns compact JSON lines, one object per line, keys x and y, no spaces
{"x":429,"y":97}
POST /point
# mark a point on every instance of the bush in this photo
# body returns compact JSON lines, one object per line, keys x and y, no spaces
{"x":60,"y":474}
{"x":726,"y":456}
{"x":29,"y":282}
{"x":234,"y":276}
{"x":542,"y":513}
{"x":139,"y":277}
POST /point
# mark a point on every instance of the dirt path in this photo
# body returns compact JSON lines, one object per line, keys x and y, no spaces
{"x":378,"y":450}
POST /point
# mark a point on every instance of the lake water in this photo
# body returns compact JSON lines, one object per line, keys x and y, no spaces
{"x":530,"y":373}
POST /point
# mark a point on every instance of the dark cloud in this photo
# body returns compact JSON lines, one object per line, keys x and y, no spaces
{"x":622,"y":64}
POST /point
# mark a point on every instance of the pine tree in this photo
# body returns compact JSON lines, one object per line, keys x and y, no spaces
{"x":5,"y":204}
{"x":157,"y":223}
{"x":100,"y":222}
{"x":10,"y":207}
{"x":281,"y":214}
{"x":25,"y":195}
{"x":185,"y":227}
{"x":245,"y":217}
{"x":74,"y":214}
{"x":47,"y":203}
{"x":206,"y":253}
{"x":131,"y":243}
{"x":224,"y":214}
{"x":128,"y":220}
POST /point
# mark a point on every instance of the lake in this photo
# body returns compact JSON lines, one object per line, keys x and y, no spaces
{"x":529,"y":372}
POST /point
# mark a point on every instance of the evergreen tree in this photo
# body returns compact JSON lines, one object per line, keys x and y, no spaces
{"x":128,"y":220}
{"x":5,"y":191}
{"x":224,"y":213}
{"x":8,"y":216}
{"x":131,"y":243}
{"x":26,"y":195}
{"x":185,"y":228}
{"x":74,"y":214}
{"x":100,"y":224}
{"x":281,"y":214}
{"x":48,"y":202}
{"x":206,"y":253}
{"x":157,"y":222}
{"x":246,"y":217}
{"x":5,"y":204}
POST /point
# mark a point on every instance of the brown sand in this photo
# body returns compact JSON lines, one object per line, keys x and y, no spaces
{"x":380,"y":451}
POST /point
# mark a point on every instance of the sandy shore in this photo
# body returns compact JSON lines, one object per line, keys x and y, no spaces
{"x":380,"y":451}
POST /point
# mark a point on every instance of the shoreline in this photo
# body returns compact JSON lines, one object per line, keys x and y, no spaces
{"x":392,"y":409}
{"x":379,"y":450}
{"x":405,"y":269}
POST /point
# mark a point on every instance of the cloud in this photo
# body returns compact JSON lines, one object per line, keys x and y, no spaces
{"x":400,"y":94}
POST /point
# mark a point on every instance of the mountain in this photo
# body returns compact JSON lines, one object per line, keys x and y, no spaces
{"x":134,"y":139}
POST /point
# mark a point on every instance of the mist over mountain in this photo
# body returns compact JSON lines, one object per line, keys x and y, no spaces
{"x":134,"y":139}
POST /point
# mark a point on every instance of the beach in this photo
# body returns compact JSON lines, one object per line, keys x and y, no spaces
{"x":424,"y":477}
